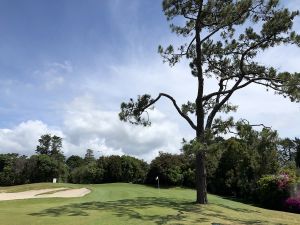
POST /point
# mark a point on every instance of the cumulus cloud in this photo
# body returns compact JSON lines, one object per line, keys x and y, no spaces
{"x":86,"y":123}
{"x":88,"y":126}
{"x":259,"y":106}
{"x":90,"y":120}
{"x":23,"y":138}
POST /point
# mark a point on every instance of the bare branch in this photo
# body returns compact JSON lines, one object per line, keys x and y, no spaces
{"x":188,"y":119}
{"x":187,"y":49}
{"x":255,"y":125}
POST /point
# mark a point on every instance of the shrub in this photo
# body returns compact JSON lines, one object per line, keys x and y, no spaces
{"x":291,"y":172}
{"x":169,"y":168}
{"x":273,"y":190}
{"x":189,"y":177}
{"x":122,"y":169}
{"x":87,"y":174}
{"x":292,"y":204}
{"x":133,"y":170}
{"x":235,"y":172}
{"x":42,"y":168}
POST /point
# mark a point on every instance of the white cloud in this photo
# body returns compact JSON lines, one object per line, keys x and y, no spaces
{"x":53,"y":75}
{"x":86,"y":124}
{"x":259,"y":106}
{"x":91,"y":120}
{"x":24,"y":137}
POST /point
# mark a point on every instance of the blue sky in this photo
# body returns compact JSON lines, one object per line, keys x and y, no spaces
{"x":66,"y":65}
{"x":37,"y":34}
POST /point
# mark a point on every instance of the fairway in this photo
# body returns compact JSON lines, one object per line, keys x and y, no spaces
{"x":122,"y":203}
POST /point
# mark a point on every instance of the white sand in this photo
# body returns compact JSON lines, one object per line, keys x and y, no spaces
{"x":61,"y":193}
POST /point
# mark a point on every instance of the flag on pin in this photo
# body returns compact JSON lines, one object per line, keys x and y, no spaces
{"x":156,"y":178}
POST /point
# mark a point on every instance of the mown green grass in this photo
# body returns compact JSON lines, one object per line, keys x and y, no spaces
{"x":28,"y":187}
{"x":133,"y":204}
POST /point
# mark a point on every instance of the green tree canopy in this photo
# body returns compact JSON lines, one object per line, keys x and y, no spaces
{"x":44,"y":146}
{"x":89,"y":156}
{"x":297,"y":157}
{"x":51,"y":146}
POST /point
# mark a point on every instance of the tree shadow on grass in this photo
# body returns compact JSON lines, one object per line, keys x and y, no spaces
{"x":164,"y":210}
{"x":243,"y":210}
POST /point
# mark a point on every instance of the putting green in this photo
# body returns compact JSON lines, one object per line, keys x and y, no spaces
{"x":121,"y":203}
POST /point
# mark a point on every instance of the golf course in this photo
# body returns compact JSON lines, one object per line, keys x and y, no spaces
{"x":121,"y":203}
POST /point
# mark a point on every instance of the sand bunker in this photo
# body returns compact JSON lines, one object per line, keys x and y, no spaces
{"x":46,"y":193}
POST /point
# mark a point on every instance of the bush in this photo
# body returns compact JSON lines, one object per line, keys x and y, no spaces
{"x":87,"y":174}
{"x":12,"y":169}
{"x":41,"y":168}
{"x":189,"y":177}
{"x":169,"y":169}
{"x":133,"y":170}
{"x":273,"y":190}
{"x":291,"y":173}
{"x":112,"y":168}
{"x":292,"y":204}
{"x":74,"y":161}
{"x":236,"y":171}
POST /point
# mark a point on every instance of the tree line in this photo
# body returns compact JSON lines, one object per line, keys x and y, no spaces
{"x":236,"y":166}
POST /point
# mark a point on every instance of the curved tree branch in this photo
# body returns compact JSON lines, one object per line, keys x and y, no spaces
{"x":187,"y":118}
{"x":255,"y":125}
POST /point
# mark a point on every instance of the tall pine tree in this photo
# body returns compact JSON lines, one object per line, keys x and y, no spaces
{"x":221,"y":39}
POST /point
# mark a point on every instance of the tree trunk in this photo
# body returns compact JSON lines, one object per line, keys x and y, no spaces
{"x":201,"y":179}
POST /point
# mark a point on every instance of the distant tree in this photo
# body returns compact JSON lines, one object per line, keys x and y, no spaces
{"x":112,"y":168}
{"x":106,"y":169}
{"x":213,"y":156}
{"x":169,"y":169}
{"x":51,"y":146}
{"x":6,"y":169}
{"x":19,"y":169}
{"x":297,"y":157}
{"x":245,"y":159}
{"x":44,"y":146}
{"x":222,"y":41}
{"x":287,"y":150}
{"x":56,"y":148}
{"x":235,"y":172}
{"x":74,"y":161}
{"x":3,"y":159}
{"x":122,"y":169}
{"x":133,"y":170}
{"x":265,"y":147}
{"x":12,"y":169}
{"x":89,"y":156}
{"x":41,"y":168}
{"x":87,"y":174}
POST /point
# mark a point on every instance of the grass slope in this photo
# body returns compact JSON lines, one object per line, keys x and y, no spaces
{"x":133,"y":204}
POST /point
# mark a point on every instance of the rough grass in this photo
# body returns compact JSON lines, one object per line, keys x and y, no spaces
{"x":133,"y":204}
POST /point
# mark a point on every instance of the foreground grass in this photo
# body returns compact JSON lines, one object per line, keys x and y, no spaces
{"x":133,"y":204}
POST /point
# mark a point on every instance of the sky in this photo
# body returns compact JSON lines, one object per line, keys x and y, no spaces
{"x":65,"y":67}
